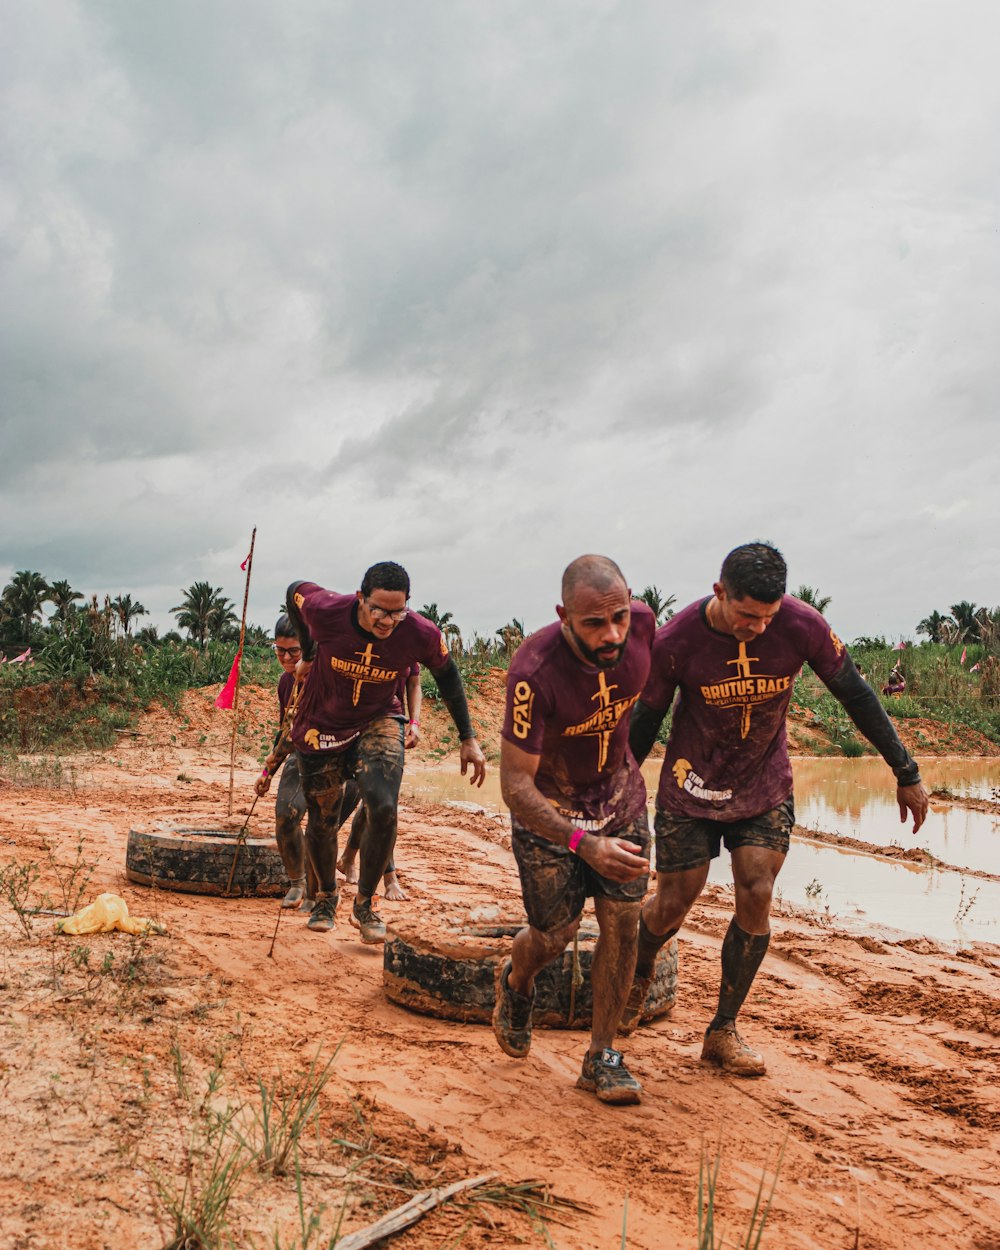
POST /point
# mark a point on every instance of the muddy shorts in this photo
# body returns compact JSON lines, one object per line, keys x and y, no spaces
{"x":684,"y":842}
{"x":555,"y":883}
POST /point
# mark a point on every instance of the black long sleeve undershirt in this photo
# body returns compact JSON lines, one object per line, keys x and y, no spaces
{"x":449,"y":684}
{"x":862,"y":705}
{"x":643,"y":728}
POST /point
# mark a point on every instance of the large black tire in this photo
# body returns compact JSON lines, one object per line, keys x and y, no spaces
{"x":199,"y":861}
{"x":453,"y":974}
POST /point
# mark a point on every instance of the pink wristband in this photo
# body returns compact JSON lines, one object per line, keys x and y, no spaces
{"x":416,"y":723}
{"x":575,"y":838}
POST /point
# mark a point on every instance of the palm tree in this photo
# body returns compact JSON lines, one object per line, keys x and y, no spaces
{"x":511,"y":636}
{"x":964,"y":616}
{"x":61,"y":596}
{"x":22,"y":599}
{"x":445,"y":623}
{"x":933,"y":624}
{"x":662,"y":608}
{"x":808,"y":595}
{"x":127,"y":611}
{"x":205,"y":612}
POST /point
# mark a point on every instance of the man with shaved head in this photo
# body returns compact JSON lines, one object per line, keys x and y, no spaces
{"x":578,"y":806}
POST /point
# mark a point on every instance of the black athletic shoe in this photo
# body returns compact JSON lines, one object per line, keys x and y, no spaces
{"x":324,"y":913}
{"x":512,"y":1017}
{"x":370,"y":923}
{"x":606,"y":1075}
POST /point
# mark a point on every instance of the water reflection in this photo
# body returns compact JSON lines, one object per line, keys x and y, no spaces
{"x":855,"y":798}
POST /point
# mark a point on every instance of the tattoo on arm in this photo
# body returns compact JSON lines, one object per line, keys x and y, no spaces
{"x":525,"y":800}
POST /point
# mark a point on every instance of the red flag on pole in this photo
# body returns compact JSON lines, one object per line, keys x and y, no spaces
{"x":228,"y":692}
{"x":243,"y":566}
{"x":22,"y":658}
{"x":962,"y":660}
{"x":975,"y":668}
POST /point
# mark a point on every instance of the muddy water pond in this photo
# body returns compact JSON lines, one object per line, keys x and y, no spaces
{"x":854,"y":798}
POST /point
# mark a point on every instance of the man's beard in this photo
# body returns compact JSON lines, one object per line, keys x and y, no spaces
{"x":598,"y":660}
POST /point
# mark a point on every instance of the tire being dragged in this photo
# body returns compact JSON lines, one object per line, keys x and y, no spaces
{"x":452,"y":973}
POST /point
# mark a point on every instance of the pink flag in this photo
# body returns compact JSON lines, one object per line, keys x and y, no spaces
{"x":20,"y":659}
{"x":228,"y":692}
{"x":962,"y":660}
{"x":243,"y":566}
{"x":975,"y":667}
{"x":900,"y":646}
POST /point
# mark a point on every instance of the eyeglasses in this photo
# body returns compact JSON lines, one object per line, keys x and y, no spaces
{"x":383,"y":614}
{"x":293,"y":653}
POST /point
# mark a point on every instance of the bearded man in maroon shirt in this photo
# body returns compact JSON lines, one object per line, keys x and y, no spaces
{"x":350,"y":721}
{"x":578,"y":806}
{"x":732,"y":659}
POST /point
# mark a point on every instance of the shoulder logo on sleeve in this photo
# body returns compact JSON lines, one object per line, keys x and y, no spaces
{"x":298,"y":599}
{"x":524,"y":696}
{"x":838,"y":646}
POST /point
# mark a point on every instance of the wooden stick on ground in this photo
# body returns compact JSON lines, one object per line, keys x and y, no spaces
{"x":402,"y":1217}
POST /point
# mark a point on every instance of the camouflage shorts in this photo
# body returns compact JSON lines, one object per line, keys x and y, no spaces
{"x":555,"y":883}
{"x":684,"y":842}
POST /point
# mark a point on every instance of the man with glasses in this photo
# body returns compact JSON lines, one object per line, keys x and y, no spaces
{"x":350,"y":723}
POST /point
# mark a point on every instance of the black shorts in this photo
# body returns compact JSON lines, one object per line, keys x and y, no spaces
{"x":684,"y":842}
{"x":555,"y":883}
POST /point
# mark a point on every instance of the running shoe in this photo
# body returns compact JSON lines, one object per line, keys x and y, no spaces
{"x":727,"y":1050}
{"x":607,"y":1076}
{"x":370,"y":923}
{"x":512,"y":1017}
{"x":296,"y":891}
{"x":324,"y":913}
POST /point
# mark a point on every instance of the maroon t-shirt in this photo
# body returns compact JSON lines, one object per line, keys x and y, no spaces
{"x":355,"y":676}
{"x":286,"y":684}
{"x":727,"y":754}
{"x":575,"y":716}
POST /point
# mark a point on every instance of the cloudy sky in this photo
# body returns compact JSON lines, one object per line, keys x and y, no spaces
{"x":481,"y":286}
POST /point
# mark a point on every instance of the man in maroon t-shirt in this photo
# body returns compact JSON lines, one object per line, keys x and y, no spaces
{"x":349,"y":721}
{"x":727,"y":778}
{"x":578,"y":806}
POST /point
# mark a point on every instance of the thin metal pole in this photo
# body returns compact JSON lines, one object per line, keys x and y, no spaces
{"x":239,"y":670}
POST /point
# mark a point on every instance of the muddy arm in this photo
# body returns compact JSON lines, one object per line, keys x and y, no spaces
{"x":643,"y":728}
{"x":298,"y":623}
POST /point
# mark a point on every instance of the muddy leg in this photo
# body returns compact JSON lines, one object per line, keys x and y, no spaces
{"x":322,"y":783}
{"x":346,"y":865}
{"x":379,"y":773}
{"x":612,"y":967}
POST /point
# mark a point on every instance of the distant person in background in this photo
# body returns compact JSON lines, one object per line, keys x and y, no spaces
{"x":896,"y":683}
{"x":411,"y":697}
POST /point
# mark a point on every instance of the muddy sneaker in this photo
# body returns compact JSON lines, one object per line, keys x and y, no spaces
{"x":635,"y":1004}
{"x":370,"y":923}
{"x":605,"y":1073}
{"x":727,"y":1050}
{"x":324,"y":913}
{"x":512,"y":1017}
{"x":296,"y":890}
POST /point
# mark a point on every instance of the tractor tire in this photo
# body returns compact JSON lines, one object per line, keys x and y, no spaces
{"x":199,"y":861}
{"x":453,"y":974}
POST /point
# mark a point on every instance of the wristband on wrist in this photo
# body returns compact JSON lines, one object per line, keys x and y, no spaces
{"x":575,"y":838}
{"x":415,"y":723}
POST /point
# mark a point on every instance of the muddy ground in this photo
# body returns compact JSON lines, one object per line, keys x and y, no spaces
{"x":118,"y":1056}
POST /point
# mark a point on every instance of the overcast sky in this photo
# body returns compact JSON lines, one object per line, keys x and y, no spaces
{"x":482,"y":286}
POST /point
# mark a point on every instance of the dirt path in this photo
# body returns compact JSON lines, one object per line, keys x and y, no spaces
{"x":883,"y":1058}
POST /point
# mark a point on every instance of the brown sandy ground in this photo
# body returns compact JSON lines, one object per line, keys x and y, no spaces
{"x":883,"y":1055}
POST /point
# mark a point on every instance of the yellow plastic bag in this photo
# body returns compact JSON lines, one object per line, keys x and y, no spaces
{"x":105,"y":913}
